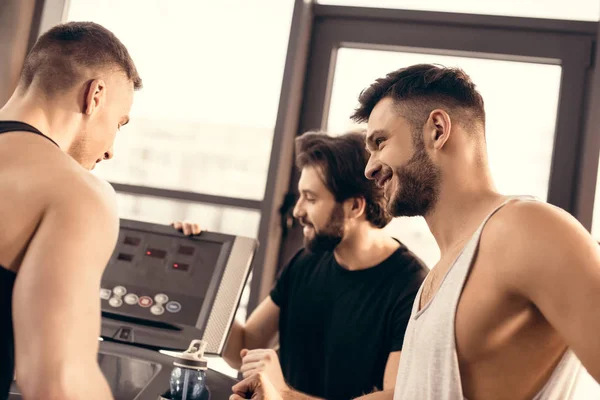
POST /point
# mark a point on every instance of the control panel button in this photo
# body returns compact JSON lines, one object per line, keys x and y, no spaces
{"x":125,"y":334}
{"x":145,"y":301}
{"x":115,"y":302}
{"x":119,"y":291}
{"x":105,"y":294}
{"x":173,"y":307}
{"x":131,"y":299}
{"x":157,"y":309}
{"x":161,"y":298}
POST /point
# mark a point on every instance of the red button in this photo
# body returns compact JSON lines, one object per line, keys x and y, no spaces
{"x":145,"y":301}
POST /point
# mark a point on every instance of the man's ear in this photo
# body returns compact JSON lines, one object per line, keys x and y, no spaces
{"x":357,"y":207}
{"x":439,"y":127}
{"x":95,"y":95}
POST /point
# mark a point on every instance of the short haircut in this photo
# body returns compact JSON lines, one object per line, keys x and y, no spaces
{"x":58,"y":55}
{"x":421,"y":88}
{"x":342,"y":161}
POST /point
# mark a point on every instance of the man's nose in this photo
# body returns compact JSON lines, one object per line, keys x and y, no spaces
{"x":298,"y":211}
{"x":372,"y":169}
{"x":109,"y":154}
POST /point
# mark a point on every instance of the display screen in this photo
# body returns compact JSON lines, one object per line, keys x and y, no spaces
{"x":160,"y":277}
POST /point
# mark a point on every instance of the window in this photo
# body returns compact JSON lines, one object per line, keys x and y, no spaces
{"x":521,"y":103}
{"x":211,"y":218}
{"x":581,"y":10}
{"x":212,"y":75}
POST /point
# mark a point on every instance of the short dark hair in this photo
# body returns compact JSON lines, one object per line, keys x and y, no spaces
{"x":422,"y":88}
{"x":56,"y":57}
{"x":342,"y":161}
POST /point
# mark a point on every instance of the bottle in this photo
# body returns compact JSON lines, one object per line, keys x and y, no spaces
{"x":188,"y":378}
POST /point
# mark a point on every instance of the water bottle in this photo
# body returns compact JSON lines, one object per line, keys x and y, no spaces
{"x":188,"y":378}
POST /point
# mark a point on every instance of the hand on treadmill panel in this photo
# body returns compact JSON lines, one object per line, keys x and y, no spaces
{"x":257,"y":387}
{"x":188,"y":228}
{"x":265,"y":361}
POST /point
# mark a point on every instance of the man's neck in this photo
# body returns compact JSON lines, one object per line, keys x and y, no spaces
{"x":30,"y":109}
{"x":364,"y":247}
{"x":458,"y":213}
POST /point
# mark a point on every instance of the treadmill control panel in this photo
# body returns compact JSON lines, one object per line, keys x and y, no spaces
{"x":164,"y":277}
{"x":164,"y":289}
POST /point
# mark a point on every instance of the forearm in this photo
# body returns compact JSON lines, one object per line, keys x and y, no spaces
{"x":293,"y":395}
{"x":235,"y":344}
{"x":384,"y":395}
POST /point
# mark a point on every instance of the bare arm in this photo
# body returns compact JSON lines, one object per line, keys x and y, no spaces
{"x":261,"y":388}
{"x":391,"y":371}
{"x":259,"y":331}
{"x":555,"y":263}
{"x":56,"y":309}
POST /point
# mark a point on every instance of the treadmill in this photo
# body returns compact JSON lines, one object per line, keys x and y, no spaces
{"x":161,"y":290}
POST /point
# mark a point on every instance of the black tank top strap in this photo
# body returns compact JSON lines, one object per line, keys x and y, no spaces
{"x":17,"y":126}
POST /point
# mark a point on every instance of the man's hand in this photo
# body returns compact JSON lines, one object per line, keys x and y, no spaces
{"x":263,"y":361}
{"x":187,"y":228}
{"x":256,"y":387}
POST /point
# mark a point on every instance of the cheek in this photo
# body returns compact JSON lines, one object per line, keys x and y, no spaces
{"x":315,"y":215}
{"x":394,"y":158}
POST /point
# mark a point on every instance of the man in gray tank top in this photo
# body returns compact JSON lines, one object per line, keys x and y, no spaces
{"x":510,"y":310}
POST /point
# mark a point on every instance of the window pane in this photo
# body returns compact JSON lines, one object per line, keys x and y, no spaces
{"x":579,"y":10}
{"x":520,"y":143}
{"x":232,"y":221}
{"x":212,"y":74}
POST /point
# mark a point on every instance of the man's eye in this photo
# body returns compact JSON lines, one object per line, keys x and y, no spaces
{"x":378,"y":141}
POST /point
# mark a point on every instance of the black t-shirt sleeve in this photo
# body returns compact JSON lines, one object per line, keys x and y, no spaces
{"x":281,"y":288}
{"x":403,"y":308}
{"x":400,"y":318}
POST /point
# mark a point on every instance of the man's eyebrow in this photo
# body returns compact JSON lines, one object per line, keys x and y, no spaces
{"x":308,"y":192}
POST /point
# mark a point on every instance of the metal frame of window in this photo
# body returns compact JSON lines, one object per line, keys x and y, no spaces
{"x":573,"y":44}
{"x":318,"y":30}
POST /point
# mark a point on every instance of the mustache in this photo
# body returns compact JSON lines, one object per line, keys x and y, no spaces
{"x":304,"y":222}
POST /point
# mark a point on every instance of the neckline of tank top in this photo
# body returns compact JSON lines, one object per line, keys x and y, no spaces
{"x":7,"y":271}
{"x":421,"y":310}
{"x":33,"y":130}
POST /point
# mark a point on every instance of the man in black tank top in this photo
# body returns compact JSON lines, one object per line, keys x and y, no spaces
{"x":74,"y":93}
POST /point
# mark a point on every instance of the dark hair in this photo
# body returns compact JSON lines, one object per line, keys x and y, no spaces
{"x":419,"y":89}
{"x":57,"y":56}
{"x":342,"y":161}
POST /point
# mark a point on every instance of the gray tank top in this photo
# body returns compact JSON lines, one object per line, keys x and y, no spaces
{"x":429,"y":363}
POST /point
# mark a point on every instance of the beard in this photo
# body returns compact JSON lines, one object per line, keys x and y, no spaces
{"x":330,"y":236}
{"x":418,"y":186}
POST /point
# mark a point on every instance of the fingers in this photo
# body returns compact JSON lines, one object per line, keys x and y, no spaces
{"x":248,"y":385}
{"x":236,"y":397}
{"x":188,"y":228}
{"x":243,"y":353}
{"x":259,"y":355}
{"x":250,"y":369}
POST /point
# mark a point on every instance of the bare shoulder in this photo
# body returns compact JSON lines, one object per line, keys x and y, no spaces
{"x":73,"y":184}
{"x":527,"y":239}
{"x":78,"y":195}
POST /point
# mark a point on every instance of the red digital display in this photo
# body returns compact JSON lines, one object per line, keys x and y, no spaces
{"x":156,"y":253}
{"x":180,"y":266}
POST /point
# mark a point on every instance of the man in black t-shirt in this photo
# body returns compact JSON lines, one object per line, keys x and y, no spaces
{"x":342,"y":303}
